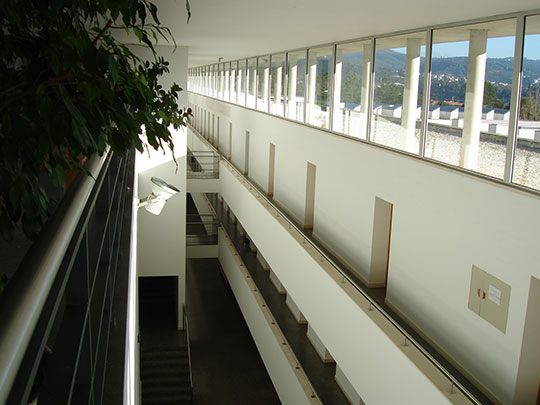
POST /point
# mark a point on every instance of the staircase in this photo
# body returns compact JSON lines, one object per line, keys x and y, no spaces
{"x":165,"y":376}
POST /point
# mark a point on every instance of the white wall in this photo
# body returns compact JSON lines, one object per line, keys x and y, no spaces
{"x":290,"y":384}
{"x":444,"y":222}
{"x":161,"y":240}
{"x":366,"y":349}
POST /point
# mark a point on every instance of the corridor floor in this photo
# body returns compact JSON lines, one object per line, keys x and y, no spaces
{"x":227,"y":368}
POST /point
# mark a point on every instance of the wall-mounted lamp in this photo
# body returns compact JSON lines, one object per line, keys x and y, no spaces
{"x":161,"y":192}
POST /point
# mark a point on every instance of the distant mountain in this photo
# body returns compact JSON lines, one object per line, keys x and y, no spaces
{"x":390,"y":66}
{"x":499,"y":70}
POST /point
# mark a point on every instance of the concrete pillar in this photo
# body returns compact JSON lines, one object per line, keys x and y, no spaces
{"x":474,"y":97}
{"x":232,"y":86}
{"x":410,"y":94}
{"x":266,"y":85}
{"x":367,"y":60}
{"x":239,"y":73}
{"x":226,"y":86}
{"x":247,"y":86}
{"x":221,"y":82}
{"x":312,"y":89}
{"x":293,"y":78}
{"x":277,"y":90}
{"x":337,"y":125}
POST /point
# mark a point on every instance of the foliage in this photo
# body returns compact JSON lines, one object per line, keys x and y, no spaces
{"x":388,"y":93}
{"x":490,"y":96}
{"x":351,"y":88}
{"x":530,"y":104}
{"x":69,"y":88}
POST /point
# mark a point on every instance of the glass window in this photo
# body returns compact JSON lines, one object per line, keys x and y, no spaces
{"x":241,"y":82}
{"x":204,"y":79}
{"x":263,"y":83}
{"x":251,"y":81}
{"x":277,"y":85}
{"x":527,"y":154}
{"x":296,"y":85}
{"x":471,"y":83}
{"x":210,"y":77}
{"x":201,"y":80}
{"x":215,"y":81}
{"x":208,"y":83}
{"x":226,"y":77}
{"x":353,"y":73}
{"x":398,"y":89}
{"x":232,"y":82}
{"x":320,"y":65}
{"x":220,"y":81}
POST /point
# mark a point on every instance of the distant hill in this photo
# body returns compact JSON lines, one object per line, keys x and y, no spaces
{"x":390,"y":65}
{"x":499,"y":70}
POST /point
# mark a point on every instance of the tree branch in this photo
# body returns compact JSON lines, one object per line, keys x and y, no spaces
{"x":103,"y":31}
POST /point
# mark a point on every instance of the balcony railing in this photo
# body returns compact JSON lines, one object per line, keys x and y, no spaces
{"x":201,"y":230}
{"x":202,"y":165}
{"x":64,"y":311}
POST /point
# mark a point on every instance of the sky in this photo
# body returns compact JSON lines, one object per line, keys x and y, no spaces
{"x":496,"y":48}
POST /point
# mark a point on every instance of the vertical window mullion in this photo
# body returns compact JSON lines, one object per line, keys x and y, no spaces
{"x":286,"y":85}
{"x":517,"y":76}
{"x":426,"y":96}
{"x":306,"y":85}
{"x":369,"y":124}
{"x":333,"y":84}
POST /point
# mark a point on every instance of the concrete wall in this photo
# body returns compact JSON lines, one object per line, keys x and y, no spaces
{"x":161,"y":240}
{"x":444,"y":221}
{"x":364,"y":345}
{"x":290,"y":384}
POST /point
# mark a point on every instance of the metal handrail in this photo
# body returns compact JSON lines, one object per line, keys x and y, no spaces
{"x":202,"y":164}
{"x":23,"y":300}
{"x":186,"y":327}
{"x":337,"y":267}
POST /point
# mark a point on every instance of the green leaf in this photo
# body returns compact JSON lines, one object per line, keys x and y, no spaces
{"x":74,"y":111}
{"x":59,"y":176}
{"x":163,"y":116}
{"x":113,"y":69}
{"x":138,"y":33}
{"x":6,"y":227}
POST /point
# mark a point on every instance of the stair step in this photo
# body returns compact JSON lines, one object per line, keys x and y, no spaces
{"x":156,"y":372}
{"x":168,"y":400}
{"x":167,"y":389}
{"x":166,"y":379}
{"x":171,"y":353}
{"x":165,"y":362}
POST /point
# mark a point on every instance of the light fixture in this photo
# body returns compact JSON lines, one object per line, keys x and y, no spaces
{"x":161,"y":192}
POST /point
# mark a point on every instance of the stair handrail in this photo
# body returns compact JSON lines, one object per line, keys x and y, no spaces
{"x":186,"y":328}
{"x":22,"y":302}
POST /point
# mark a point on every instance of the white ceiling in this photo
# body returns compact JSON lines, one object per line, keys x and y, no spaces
{"x":235,"y":29}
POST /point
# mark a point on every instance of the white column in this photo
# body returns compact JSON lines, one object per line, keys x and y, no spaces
{"x":247,"y":86}
{"x":293,"y":78}
{"x":277,"y":91}
{"x":221,"y":84}
{"x":410,"y":95}
{"x":266,"y":87}
{"x":232,"y":86}
{"x":239,"y":85}
{"x":337,"y":125}
{"x":312,"y":90}
{"x":226,"y":96}
{"x":474,"y":96}
{"x":364,"y":97}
